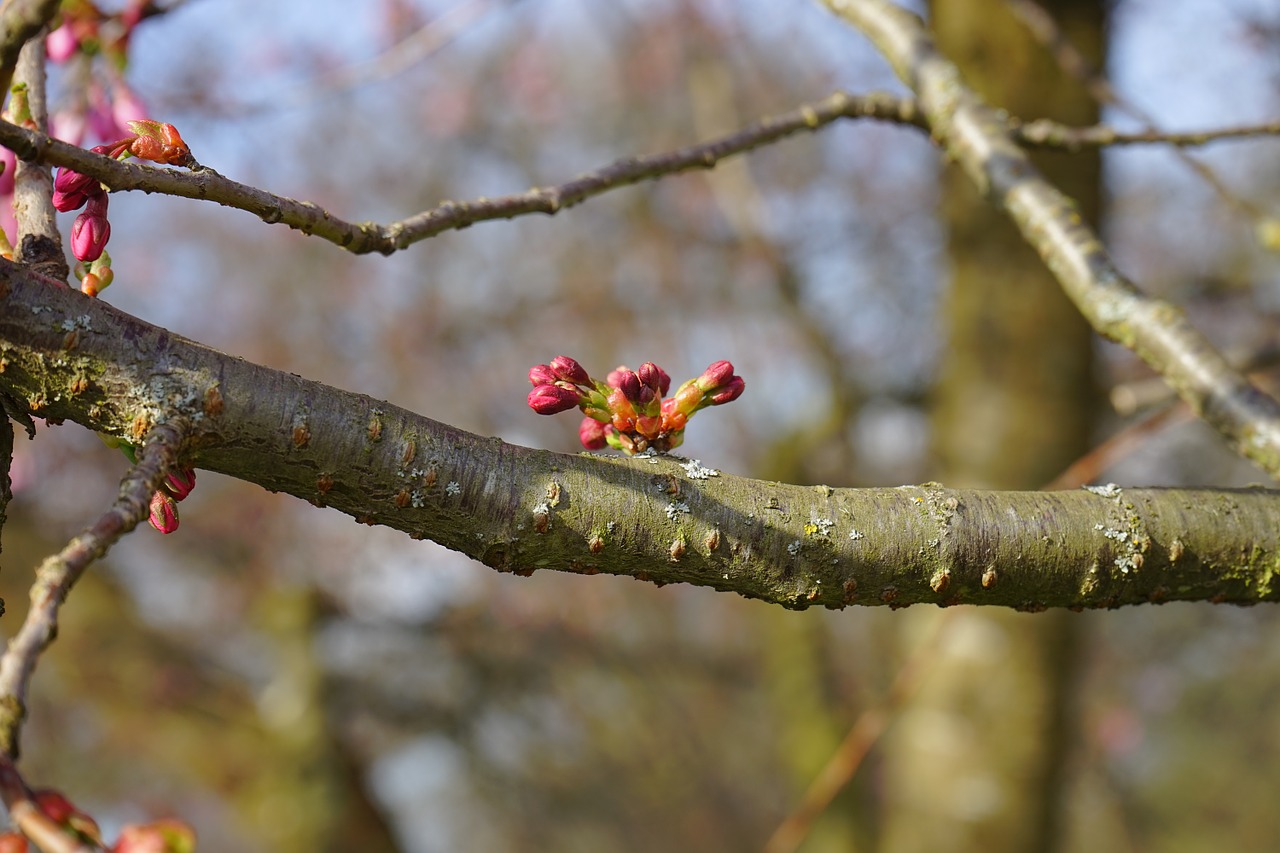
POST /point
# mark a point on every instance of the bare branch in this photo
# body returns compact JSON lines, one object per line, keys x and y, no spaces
{"x":20,"y":21}
{"x":360,"y":238}
{"x":1043,"y":133}
{"x":652,"y":518}
{"x":978,"y":138}
{"x":59,"y":572}
{"x":37,"y":242}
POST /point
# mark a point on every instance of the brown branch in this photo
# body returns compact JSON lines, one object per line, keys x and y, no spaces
{"x":360,"y":238}
{"x":1044,"y":133}
{"x":978,"y":138}
{"x":653,"y":518}
{"x":59,"y":572}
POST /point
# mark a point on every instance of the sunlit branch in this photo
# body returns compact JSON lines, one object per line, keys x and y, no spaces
{"x":1043,"y":133}
{"x":360,"y":238}
{"x":59,"y":572}
{"x":653,"y":518}
{"x":978,"y":139}
{"x":37,"y":241}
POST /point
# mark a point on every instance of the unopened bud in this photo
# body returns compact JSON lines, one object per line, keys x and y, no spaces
{"x":180,"y":482}
{"x":159,"y":143}
{"x":629,"y":385}
{"x":91,"y":230}
{"x":717,"y":374}
{"x":541,"y":374}
{"x":162,"y":836}
{"x":569,"y":370}
{"x":164,"y":512}
{"x":592,"y":434}
{"x":654,"y":377}
{"x":729,"y":392}
{"x":553,"y":399}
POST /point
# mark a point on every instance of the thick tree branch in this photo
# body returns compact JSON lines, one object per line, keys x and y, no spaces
{"x":37,"y":241}
{"x":360,"y":238}
{"x":20,"y":21}
{"x":980,"y":141}
{"x":58,"y":573}
{"x":656,"y":519}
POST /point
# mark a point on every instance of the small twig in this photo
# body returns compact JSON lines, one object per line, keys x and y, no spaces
{"x":360,"y":238}
{"x":847,"y":758}
{"x":1044,"y":133}
{"x":28,"y":817}
{"x":37,"y":242}
{"x":59,"y":572}
{"x":1042,"y":25}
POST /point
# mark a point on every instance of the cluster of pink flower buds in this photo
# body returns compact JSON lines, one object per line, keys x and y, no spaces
{"x":151,"y":140}
{"x":628,"y":411}
{"x":167,"y":835}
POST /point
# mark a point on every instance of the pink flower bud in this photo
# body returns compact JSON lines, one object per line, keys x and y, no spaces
{"x":731,"y":391}
{"x":91,"y":230}
{"x":654,"y":377}
{"x":541,"y":374}
{"x":615,"y":375}
{"x":717,"y":374}
{"x":164,"y":512}
{"x":592,"y":434}
{"x":180,"y":482}
{"x":569,"y":370}
{"x":553,"y":399}
{"x":629,"y":385}
{"x":70,"y":181}
{"x":61,"y":44}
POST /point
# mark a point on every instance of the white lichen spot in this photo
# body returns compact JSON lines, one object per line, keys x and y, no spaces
{"x":418,"y":498}
{"x":695,"y":470}
{"x":609,"y":527}
{"x":1110,"y":490}
{"x":675,"y":509}
{"x":68,"y":325}
{"x":819,"y":527}
{"x":855,"y":535}
{"x":453,"y":489}
{"x":651,"y":455}
{"x":543,"y":508}
{"x":794,"y":548}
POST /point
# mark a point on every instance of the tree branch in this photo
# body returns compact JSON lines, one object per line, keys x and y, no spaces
{"x":361,"y":238}
{"x":653,"y":518}
{"x":20,"y":21}
{"x":37,"y":241}
{"x":58,"y":573}
{"x":28,"y":817}
{"x":979,"y":139}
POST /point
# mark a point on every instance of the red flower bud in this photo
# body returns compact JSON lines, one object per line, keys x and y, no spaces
{"x":13,"y":842}
{"x":731,"y":391}
{"x":164,"y":512}
{"x":159,"y":143}
{"x":654,"y":377}
{"x":167,"y":835}
{"x":569,"y":370}
{"x":91,"y":230}
{"x":69,"y":181}
{"x":541,"y":374}
{"x":553,"y":399}
{"x":717,"y":374}
{"x":629,"y":385}
{"x":615,"y":375}
{"x":56,"y":806}
{"x":180,"y":482}
{"x":592,"y":434}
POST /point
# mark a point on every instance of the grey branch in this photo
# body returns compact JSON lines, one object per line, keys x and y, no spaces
{"x":656,"y":519}
{"x":979,"y":139}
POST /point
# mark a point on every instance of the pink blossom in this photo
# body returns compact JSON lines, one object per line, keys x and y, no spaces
{"x":61,"y":44}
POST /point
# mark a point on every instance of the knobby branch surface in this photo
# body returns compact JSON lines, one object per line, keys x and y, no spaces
{"x":309,"y":218}
{"x":659,"y":519}
{"x":59,"y":572}
{"x":978,"y":138}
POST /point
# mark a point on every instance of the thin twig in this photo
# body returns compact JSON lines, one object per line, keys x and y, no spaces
{"x":361,"y":238}
{"x":37,"y":242}
{"x":59,"y":572}
{"x":30,"y":820}
{"x":1042,"y":25}
{"x":866,"y":730}
{"x":1044,"y":133}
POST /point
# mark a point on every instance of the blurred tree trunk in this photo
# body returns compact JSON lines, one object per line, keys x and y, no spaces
{"x":975,"y":761}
